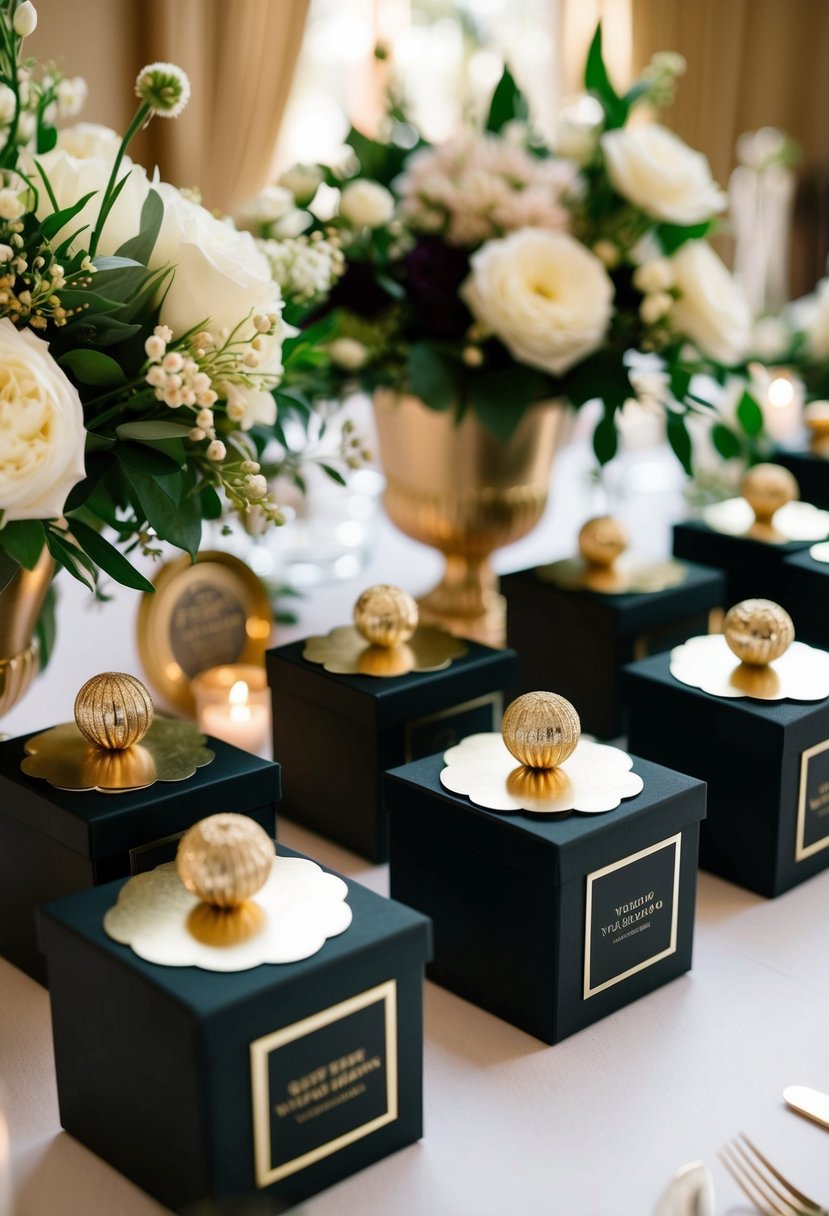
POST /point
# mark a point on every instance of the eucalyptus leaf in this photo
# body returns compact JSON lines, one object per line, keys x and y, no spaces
{"x":93,"y":367}
{"x":140,"y":247}
{"x":107,"y":557}
{"x":152,"y":429}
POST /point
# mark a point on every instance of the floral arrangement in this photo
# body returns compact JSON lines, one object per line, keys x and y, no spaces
{"x":493,"y":272}
{"x":144,"y":342}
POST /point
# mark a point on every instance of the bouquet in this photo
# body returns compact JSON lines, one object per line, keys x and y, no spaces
{"x":144,"y":342}
{"x":493,"y":272}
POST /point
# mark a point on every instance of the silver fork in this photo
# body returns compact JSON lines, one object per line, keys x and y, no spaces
{"x":771,"y":1193}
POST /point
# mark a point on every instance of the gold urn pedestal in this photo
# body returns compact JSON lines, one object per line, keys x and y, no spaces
{"x":455,"y":487}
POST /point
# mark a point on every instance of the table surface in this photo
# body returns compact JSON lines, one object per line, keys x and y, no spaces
{"x":594,"y":1126}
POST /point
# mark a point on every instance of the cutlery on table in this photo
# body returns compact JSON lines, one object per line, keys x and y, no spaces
{"x":809,"y":1102}
{"x":770,"y":1191}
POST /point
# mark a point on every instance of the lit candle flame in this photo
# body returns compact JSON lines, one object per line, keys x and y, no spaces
{"x":780,"y":392}
{"x":238,"y":697}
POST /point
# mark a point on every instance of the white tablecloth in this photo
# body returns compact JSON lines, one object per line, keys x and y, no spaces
{"x":594,"y":1126}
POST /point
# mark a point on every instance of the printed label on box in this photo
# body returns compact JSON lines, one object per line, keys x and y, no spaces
{"x":813,"y":802}
{"x":147,"y":856}
{"x":631,"y":918}
{"x":439,"y":731}
{"x":324,"y":1082}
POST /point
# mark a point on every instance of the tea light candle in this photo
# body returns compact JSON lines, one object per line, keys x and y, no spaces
{"x":233,"y":703}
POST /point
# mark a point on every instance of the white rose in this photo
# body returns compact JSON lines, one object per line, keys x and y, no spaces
{"x":712,"y":310}
{"x":72,"y":177}
{"x":770,"y":338}
{"x":266,"y":207}
{"x":545,"y":296}
{"x":85,"y":139}
{"x":220,"y":277}
{"x":303,"y":181}
{"x":813,"y":314}
{"x":654,"y":169}
{"x":42,"y":434}
{"x":577,"y":129}
{"x":366,"y":204}
{"x":256,"y":407}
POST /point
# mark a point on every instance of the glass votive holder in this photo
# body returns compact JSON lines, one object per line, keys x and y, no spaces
{"x":233,"y":703}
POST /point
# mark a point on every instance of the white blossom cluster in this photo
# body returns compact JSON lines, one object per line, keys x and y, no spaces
{"x":479,"y":186}
{"x":67,"y":97}
{"x":304,"y":267}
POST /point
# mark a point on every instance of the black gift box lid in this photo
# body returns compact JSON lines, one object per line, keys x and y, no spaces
{"x":557,"y":849}
{"x":98,"y":826}
{"x":805,"y":561}
{"x":696,"y":529}
{"x":375,"y":922}
{"x":381,"y":703}
{"x":761,"y":727}
{"x":636,"y":612}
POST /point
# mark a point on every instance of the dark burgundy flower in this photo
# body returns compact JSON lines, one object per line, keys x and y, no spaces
{"x":434,"y":273}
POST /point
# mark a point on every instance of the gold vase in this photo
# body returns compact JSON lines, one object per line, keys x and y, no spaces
{"x":458,"y":489}
{"x":20,"y":603}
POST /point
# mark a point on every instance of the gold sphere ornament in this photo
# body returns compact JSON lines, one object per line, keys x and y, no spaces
{"x":225,"y":859}
{"x":385,"y":615}
{"x":758,"y":631}
{"x":541,"y":729}
{"x":602,"y":540}
{"x":113,"y":710}
{"x":766,"y":488}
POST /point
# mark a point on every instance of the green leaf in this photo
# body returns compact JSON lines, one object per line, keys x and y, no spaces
{"x":749,"y":415}
{"x":596,"y":80}
{"x":70,"y":557}
{"x":8,"y":566}
{"x":434,"y":376}
{"x":140,"y":247}
{"x":24,"y":539}
{"x":47,"y":137}
{"x":680,"y":440}
{"x":150,"y":430}
{"x":179,"y":524}
{"x":680,"y":382}
{"x":725,"y":442}
{"x":501,"y":398}
{"x":333,"y":474}
{"x":121,"y":282}
{"x":46,"y":627}
{"x":508,"y":103}
{"x":107,"y":557}
{"x":605,"y":437}
{"x":146,"y":459}
{"x":211,"y":504}
{"x":93,"y":367}
{"x":53,"y":223}
{"x":672,"y":236}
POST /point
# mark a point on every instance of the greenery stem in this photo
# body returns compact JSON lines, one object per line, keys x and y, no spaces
{"x":139,"y":118}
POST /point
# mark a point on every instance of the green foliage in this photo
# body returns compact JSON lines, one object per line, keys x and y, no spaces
{"x":139,"y":248}
{"x":46,"y":627}
{"x":435,"y":375}
{"x":597,"y":81}
{"x":23,"y":540}
{"x":107,"y":557}
{"x":749,"y":415}
{"x":178,"y":522}
{"x":605,"y":436}
{"x":680,"y":440}
{"x":725,"y":442}
{"x":501,"y":398}
{"x":93,"y":367}
{"x":508,"y":104}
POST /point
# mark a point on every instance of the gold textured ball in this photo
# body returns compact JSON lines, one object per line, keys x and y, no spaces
{"x":768,"y":487}
{"x":758,"y":631}
{"x":225,"y":859}
{"x":385,"y":615}
{"x":541,"y":729}
{"x":114,"y":710}
{"x":601,"y":540}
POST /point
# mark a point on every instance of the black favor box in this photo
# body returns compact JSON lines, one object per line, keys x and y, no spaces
{"x":549,"y":923}
{"x":767,"y":768}
{"x":55,"y":842}
{"x":337,"y":734}
{"x":753,"y":568}
{"x":811,"y":471}
{"x":806,"y":592}
{"x":246,"y":1091}
{"x":577,"y":643}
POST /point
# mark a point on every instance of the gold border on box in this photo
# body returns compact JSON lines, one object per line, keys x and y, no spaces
{"x":801,"y":850}
{"x":260,"y":1049}
{"x":344,"y":651}
{"x":228,"y":576}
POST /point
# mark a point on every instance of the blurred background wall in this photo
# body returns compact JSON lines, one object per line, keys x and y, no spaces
{"x":273,"y":79}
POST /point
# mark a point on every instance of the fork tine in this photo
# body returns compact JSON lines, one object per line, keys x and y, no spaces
{"x":748,"y":1185}
{"x":785,"y":1195}
{"x":798,"y":1195}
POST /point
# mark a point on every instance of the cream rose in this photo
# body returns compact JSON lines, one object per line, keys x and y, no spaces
{"x":545,"y":296}
{"x":42,"y":434}
{"x":712,"y":309}
{"x":654,"y":169}
{"x":220,"y":280}
{"x":366,"y":204}
{"x":85,"y":139}
{"x":71,"y":177}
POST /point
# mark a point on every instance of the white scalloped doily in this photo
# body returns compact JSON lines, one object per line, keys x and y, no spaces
{"x":295,"y":912}
{"x":795,"y":521}
{"x":594,"y":779}
{"x":800,"y":674}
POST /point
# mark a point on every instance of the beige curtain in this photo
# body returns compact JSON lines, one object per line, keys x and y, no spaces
{"x":752,"y":63}
{"x":240,"y":56}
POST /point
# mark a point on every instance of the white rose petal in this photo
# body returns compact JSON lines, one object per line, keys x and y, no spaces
{"x":72,"y":177}
{"x":654,"y":169}
{"x":545,"y":296}
{"x":24,"y":20}
{"x":366,"y":204}
{"x":258,"y":407}
{"x":85,"y":139}
{"x":712,"y":309}
{"x":303,"y":181}
{"x":42,"y":433}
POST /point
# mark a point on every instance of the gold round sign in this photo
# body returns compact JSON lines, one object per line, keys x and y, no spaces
{"x":202,"y":614}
